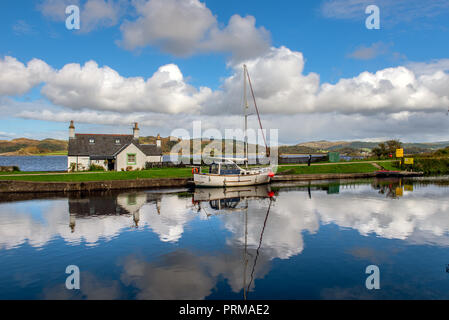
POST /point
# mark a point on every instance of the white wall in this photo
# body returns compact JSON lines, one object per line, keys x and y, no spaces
{"x":121,"y":161}
{"x":82,"y":162}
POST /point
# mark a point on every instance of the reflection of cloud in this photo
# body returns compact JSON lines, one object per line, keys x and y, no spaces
{"x":169,"y":225}
{"x":182,"y":275}
{"x":415,"y":214}
{"x":179,"y":275}
{"x":418,"y":217}
{"x":39,"y":222}
{"x":282,"y":236}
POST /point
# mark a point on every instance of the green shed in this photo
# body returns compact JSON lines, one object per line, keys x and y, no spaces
{"x":334,"y":156}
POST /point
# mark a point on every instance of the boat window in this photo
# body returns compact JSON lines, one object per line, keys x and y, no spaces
{"x":214,"y":168}
{"x":229,"y":168}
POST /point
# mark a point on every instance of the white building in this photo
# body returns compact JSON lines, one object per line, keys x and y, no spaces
{"x":114,"y":152}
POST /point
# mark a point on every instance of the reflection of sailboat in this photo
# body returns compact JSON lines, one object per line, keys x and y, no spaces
{"x":237,"y":199}
{"x":245,"y":254}
{"x":230,"y":198}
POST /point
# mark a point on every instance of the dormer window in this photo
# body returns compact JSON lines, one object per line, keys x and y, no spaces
{"x":91,"y":140}
{"x":117,"y":141}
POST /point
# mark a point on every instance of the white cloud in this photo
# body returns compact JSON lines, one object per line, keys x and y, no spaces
{"x":17,"y":78}
{"x":429,"y":68}
{"x":186,"y":27}
{"x":176,"y":26}
{"x":397,"y":96}
{"x":282,"y":88}
{"x":103,"y":88}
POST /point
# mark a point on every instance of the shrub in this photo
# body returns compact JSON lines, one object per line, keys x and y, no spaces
{"x":432,"y":165}
{"x":72,"y":166}
{"x":94,"y":167}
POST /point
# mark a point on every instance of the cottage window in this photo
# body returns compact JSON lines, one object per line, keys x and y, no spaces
{"x":131,"y":158}
{"x":91,"y":140}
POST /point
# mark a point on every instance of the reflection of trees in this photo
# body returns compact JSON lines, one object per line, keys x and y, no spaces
{"x":388,"y":187}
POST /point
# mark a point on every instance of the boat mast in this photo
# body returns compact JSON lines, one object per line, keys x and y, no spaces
{"x":245,"y":108}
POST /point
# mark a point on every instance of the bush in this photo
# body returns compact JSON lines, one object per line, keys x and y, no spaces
{"x":94,"y":167}
{"x":432,"y":165}
{"x":72,"y":167}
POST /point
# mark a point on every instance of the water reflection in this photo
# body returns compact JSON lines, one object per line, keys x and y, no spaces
{"x":222,"y":242}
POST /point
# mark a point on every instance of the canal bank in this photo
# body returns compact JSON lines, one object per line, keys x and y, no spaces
{"x":23,"y":186}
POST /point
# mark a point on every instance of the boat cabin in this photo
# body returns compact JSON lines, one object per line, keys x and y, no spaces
{"x":224,"y":168}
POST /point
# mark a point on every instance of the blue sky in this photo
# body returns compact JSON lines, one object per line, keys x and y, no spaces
{"x":326,"y":45}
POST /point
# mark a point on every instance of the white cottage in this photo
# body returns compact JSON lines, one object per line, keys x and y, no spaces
{"x":114,"y":152}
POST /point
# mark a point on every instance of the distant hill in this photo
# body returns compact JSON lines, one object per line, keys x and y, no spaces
{"x":357,"y":146}
{"x":25,"y":147}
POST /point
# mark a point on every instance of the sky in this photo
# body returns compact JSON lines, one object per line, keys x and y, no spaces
{"x":318,"y":71}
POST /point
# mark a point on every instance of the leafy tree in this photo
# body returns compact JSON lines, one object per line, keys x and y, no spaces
{"x":384,"y":149}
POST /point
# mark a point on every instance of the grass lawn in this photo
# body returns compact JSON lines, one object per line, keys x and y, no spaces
{"x":330,"y":168}
{"x":99,"y":176}
{"x":56,"y":153}
{"x":389,"y":165}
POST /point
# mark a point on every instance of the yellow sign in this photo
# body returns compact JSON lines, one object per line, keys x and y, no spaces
{"x":399,"y":192}
{"x":408,"y":187}
{"x":408,"y":160}
{"x":399,"y":153}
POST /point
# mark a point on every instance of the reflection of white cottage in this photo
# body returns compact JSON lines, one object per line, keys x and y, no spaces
{"x":111,"y":151}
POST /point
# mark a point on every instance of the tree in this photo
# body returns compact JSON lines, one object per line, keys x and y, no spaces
{"x":384,"y":149}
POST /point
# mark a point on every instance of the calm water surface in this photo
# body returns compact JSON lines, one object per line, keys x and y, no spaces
{"x":304,"y":242}
{"x":36,"y":163}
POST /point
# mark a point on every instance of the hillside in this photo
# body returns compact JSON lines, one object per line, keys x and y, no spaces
{"x":24,"y":147}
{"x":352,"y":147}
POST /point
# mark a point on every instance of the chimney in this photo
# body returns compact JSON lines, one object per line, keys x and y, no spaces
{"x":158,"y":141}
{"x":136,"y":131}
{"x":71,"y":130}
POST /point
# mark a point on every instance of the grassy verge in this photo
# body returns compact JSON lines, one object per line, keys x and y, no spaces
{"x":99,"y":176}
{"x":391,"y":166}
{"x":56,"y":153}
{"x":331,"y":168}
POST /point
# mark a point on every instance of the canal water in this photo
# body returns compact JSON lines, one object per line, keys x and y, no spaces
{"x":309,"y":241}
{"x":36,"y":163}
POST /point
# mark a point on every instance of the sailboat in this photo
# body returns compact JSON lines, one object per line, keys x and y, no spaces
{"x":225,"y":172}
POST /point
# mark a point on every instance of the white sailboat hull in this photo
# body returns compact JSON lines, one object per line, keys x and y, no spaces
{"x":218,"y":180}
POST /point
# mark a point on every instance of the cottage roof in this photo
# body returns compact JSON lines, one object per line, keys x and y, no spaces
{"x":106,"y":145}
{"x":150,"y":149}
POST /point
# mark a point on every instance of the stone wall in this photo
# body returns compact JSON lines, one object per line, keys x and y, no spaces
{"x":29,"y":186}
